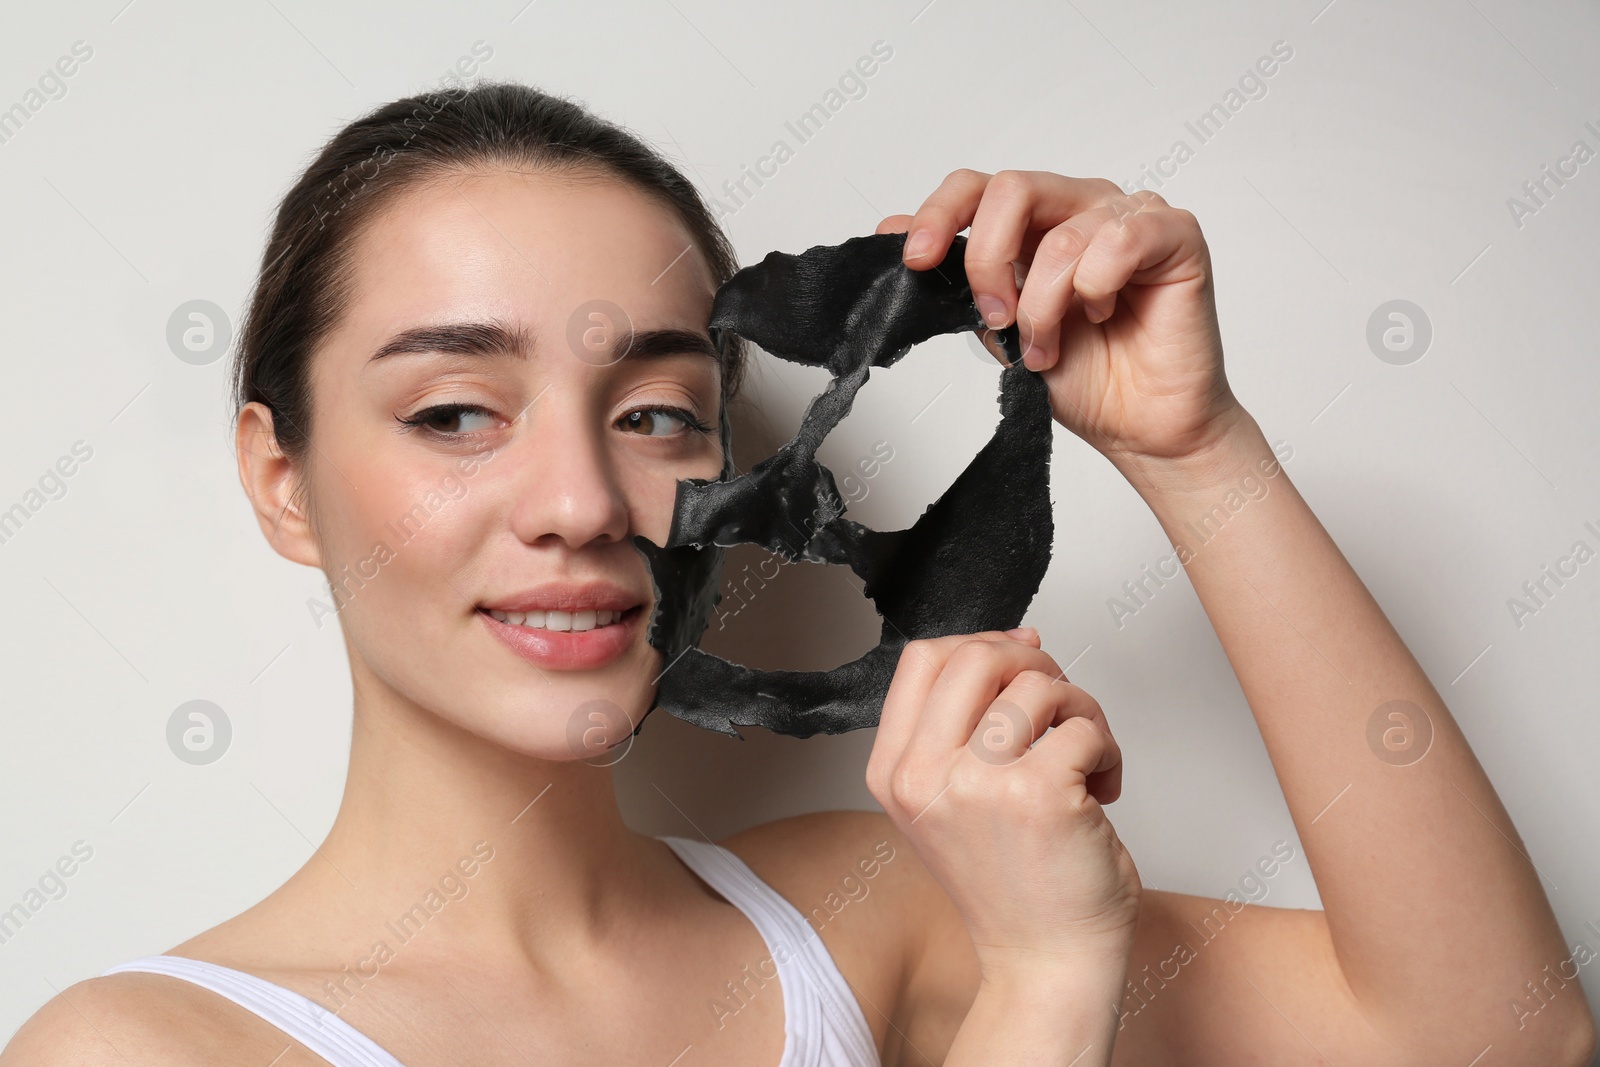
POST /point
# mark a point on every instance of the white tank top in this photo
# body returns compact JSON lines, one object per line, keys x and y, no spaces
{"x":822,"y":1022}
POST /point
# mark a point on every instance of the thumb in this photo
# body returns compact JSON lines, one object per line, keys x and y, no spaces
{"x":1025,"y":634}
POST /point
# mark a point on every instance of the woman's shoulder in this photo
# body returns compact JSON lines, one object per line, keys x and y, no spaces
{"x":134,"y":1017}
{"x":862,"y":888}
{"x":810,"y":857}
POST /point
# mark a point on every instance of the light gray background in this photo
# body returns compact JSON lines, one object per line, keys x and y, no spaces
{"x":1377,"y":166}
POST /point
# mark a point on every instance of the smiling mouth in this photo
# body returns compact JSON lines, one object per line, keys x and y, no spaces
{"x":561,"y":621}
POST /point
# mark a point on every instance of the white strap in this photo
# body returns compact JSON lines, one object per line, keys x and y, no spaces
{"x":303,"y":1019}
{"x":812,"y":982}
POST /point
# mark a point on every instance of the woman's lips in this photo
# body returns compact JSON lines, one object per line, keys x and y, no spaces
{"x":566,"y":650}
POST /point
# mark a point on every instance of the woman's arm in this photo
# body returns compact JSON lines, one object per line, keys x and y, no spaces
{"x":1435,"y":912}
{"x":1056,"y":1019}
{"x":1437,"y":941}
{"x":997,"y":772}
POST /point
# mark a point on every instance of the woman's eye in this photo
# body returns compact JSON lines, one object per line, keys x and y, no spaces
{"x":661,"y":422}
{"x":451,"y":420}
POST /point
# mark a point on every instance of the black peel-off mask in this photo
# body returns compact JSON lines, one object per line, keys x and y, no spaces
{"x":972,"y":561}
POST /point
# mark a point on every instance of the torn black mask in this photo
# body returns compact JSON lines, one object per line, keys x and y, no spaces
{"x":971,"y":562}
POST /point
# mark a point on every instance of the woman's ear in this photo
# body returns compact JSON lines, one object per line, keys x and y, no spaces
{"x":269,"y":479}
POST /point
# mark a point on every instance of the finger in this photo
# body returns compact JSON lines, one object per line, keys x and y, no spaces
{"x":1026,"y":634}
{"x":1022,"y":712}
{"x":1039,"y":336}
{"x":947,"y":211}
{"x":988,"y":337}
{"x":905,"y":704}
{"x":1047,"y":293}
{"x":972,"y":678}
{"x":1134,"y":242}
{"x":1014,"y":204}
{"x":1072,"y":752}
{"x":1102,"y":775}
{"x":894,"y":224}
{"x":990,"y":340}
{"x":1033,"y":707}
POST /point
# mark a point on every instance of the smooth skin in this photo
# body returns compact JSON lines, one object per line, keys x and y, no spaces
{"x":1002,"y":926}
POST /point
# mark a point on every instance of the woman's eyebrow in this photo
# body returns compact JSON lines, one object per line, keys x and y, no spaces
{"x":497,"y":340}
{"x":465,"y":338}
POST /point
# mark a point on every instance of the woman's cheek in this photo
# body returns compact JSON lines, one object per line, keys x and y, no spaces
{"x":651,"y":497}
{"x":656,"y":519}
{"x":401,"y":532}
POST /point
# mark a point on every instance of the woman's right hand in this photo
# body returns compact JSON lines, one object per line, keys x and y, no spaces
{"x":1117,"y":304}
{"x":1016,"y":835}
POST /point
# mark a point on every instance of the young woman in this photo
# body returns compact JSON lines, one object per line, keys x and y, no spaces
{"x":410,"y":330}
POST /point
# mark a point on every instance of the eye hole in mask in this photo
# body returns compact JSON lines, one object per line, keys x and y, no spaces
{"x":971,"y":562}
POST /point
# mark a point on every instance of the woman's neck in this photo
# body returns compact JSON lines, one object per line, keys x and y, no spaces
{"x":506,"y":857}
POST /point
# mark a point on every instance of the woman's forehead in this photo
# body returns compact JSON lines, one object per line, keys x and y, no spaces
{"x":535,"y":241}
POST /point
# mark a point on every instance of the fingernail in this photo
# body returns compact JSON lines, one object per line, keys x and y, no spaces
{"x":918,"y":244}
{"x":1022,"y":631}
{"x":993,"y":310}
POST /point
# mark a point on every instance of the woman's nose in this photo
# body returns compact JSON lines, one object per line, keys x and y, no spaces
{"x":567,"y":487}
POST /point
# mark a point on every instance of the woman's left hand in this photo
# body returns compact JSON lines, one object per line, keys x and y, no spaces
{"x":1006,"y":812}
{"x":1115,"y":309}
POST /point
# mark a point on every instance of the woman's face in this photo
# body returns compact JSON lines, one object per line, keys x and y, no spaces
{"x":483,"y":457}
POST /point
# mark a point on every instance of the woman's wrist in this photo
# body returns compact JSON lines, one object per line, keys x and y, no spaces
{"x":1105,"y":971}
{"x":1234,"y":446}
{"x":1039,"y":1014}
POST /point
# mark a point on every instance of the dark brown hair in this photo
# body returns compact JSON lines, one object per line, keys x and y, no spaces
{"x":304,"y":284}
